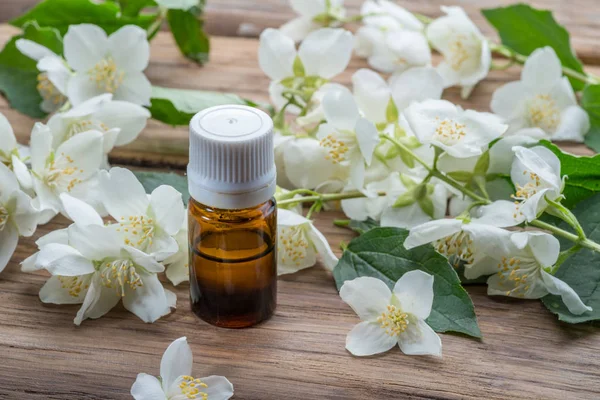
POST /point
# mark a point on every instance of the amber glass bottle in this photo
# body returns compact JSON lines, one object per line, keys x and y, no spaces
{"x":232,"y":217}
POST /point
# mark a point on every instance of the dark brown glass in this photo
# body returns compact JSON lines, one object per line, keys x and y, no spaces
{"x":233,"y":264}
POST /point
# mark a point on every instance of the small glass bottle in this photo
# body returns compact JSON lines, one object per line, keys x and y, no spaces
{"x":232,"y":216}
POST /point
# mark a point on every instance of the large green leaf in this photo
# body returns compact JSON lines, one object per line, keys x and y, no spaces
{"x":590,"y":101}
{"x":187,"y":28}
{"x":132,"y":8}
{"x":524,"y":29}
{"x":380,"y":253}
{"x":60,"y":14}
{"x":583,"y":175}
{"x":582,"y":270}
{"x":361,"y":227}
{"x":18,"y":73}
{"x":178,"y":106}
{"x":151,"y":180}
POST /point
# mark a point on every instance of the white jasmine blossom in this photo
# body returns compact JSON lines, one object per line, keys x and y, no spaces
{"x":70,"y":168}
{"x":175,"y":381}
{"x":17,"y":216}
{"x":299,"y":242}
{"x":467,"y":55}
{"x":392,"y":317}
{"x":399,"y":51}
{"x":148,"y":223}
{"x":12,"y":154}
{"x":107,"y":64}
{"x":349,"y":139}
{"x":178,"y":265}
{"x":542,"y":99}
{"x":524,"y":261}
{"x":460,"y":133}
{"x":389,"y":16}
{"x":54,"y":74}
{"x":120,"y":121}
{"x":312,"y":15}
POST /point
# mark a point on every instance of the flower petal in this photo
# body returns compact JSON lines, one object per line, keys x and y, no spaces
{"x":41,"y":146}
{"x":416,"y":84}
{"x":568,"y":295}
{"x":501,"y":213}
{"x":54,"y":292}
{"x":136,"y":89}
{"x":509,"y":100}
{"x":147,"y":387}
{"x":367,"y":296}
{"x":323,"y":248}
{"x":33,"y":50}
{"x":372,"y":94}
{"x":574,"y":125}
{"x":60,"y":259}
{"x":176,"y":361}
{"x":8,"y":142}
{"x":84,"y":46}
{"x":79,"y":211}
{"x":219,"y":387}
{"x":367,"y":137}
{"x":276,"y":54}
{"x":326,"y":52}
{"x":123,"y":194}
{"x":420,"y":340}
{"x":94,"y":242}
{"x":178,"y":271}
{"x":544,"y":247}
{"x":414,"y":291}
{"x":368,"y":338}
{"x":9,"y":238}
{"x":148,"y":302}
{"x":432,"y":231}
{"x":85,"y":151}
{"x":129,"y":48}
{"x":81,"y":88}
{"x":167,"y":208}
{"x":130,"y":118}
{"x":542,"y":70}
{"x":98,"y":301}
{"x":341,"y":110}
{"x":298,"y":28}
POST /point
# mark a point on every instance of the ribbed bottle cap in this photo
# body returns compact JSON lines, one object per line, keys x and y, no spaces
{"x":232,"y":162}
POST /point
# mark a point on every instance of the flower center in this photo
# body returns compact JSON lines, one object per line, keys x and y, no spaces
{"x":449,"y":132}
{"x":292,"y":244}
{"x":84,"y":126}
{"x":394,"y":321}
{"x":138,"y":231}
{"x":516,"y":275}
{"x":106,"y":75}
{"x":119,"y":274}
{"x":190,"y":387}
{"x":61,"y":173}
{"x":457,"y":248}
{"x":543,"y":113}
{"x":3,"y":217}
{"x":338,"y":149}
{"x":458,"y":52}
{"x":75,"y":284}
{"x":49,"y":92}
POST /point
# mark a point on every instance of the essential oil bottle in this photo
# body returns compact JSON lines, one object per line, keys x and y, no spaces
{"x":232,"y":216}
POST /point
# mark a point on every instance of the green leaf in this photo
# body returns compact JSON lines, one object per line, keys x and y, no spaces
{"x":391,"y":112}
{"x":461,"y":176}
{"x":483,"y":164}
{"x":18,"y":73}
{"x":426,"y":205}
{"x":188,"y":30}
{"x":405,"y":199}
{"x":582,"y":270}
{"x":524,"y":29}
{"x":132,"y":8}
{"x":583,"y":175}
{"x":590,"y":101}
{"x":178,"y":106}
{"x":380,"y":253}
{"x":152,"y":180}
{"x":298,"y":67}
{"x":60,"y":14}
{"x":361,"y":227}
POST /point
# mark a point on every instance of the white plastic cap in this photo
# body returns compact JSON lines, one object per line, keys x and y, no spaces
{"x":232,"y":161}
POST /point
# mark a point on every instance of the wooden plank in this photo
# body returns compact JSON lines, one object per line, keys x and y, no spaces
{"x":250,"y":17}
{"x":233,"y":68}
{"x":298,"y":354}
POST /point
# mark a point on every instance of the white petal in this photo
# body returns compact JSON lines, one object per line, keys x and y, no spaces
{"x":219,"y":387}
{"x":8,"y":142}
{"x":178,"y":272}
{"x":326,"y":52}
{"x":85,"y":149}
{"x":147,"y":387}
{"x":544,"y":247}
{"x":146,"y":261}
{"x":58,"y":73}
{"x":22,"y":173}
{"x":276,"y":54}
{"x":341,"y":110}
{"x":9,"y":238}
{"x":420,"y":340}
{"x":367,"y":296}
{"x":60,"y":259}
{"x":367,"y":137}
{"x":84,"y":46}
{"x":305,"y":163}
{"x":509,"y":100}
{"x":542,"y":69}
{"x":574,"y":125}
{"x":94,"y":242}
{"x":148,"y":302}
{"x":323,"y":248}
{"x":416,"y":84}
{"x":163,"y":246}
{"x":432,"y":231}
{"x":400,"y":14}
{"x":98,"y":301}
{"x":410,"y":47}
{"x":357,"y":173}
{"x":167,"y":208}
{"x":54,"y":292}
{"x":298,"y":28}
{"x":136,"y":89}
{"x":538,"y":160}
{"x":501,"y":155}
{"x":123,"y":194}
{"x":33,"y":50}
{"x":372,"y":94}
{"x":422,"y":117}
{"x":414,"y":290}
{"x":130,"y":118}
{"x":176,"y":361}
{"x":309,"y":8}
{"x":41,"y":146}
{"x":85,"y":109}
{"x":8,"y":183}
{"x":81,"y":88}
{"x":501,"y":213}
{"x":568,"y":295}
{"x":368,"y":338}
{"x":129,"y":48}
{"x":25,"y":217}
{"x":79,"y":211}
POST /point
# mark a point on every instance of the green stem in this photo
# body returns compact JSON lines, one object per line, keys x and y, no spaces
{"x":405,"y":148}
{"x":587,"y":243}
{"x":342,"y":223}
{"x":324,"y":197}
{"x":155,"y":26}
{"x":460,"y":187}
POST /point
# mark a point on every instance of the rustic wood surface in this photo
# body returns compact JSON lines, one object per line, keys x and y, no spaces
{"x":299,"y":354}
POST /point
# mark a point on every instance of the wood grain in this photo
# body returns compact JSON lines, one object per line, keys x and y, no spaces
{"x":298,"y":354}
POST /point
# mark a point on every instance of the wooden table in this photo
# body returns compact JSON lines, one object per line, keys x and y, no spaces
{"x":299,"y":354}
